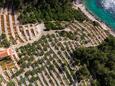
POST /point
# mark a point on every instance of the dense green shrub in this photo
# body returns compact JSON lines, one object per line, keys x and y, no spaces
{"x":100,"y":62}
{"x":45,"y":10}
{"x":53,"y":26}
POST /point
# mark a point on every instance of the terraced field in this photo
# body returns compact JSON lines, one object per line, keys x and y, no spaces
{"x":15,"y":32}
{"x":49,"y":61}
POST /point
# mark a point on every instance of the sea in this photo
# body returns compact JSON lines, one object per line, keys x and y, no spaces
{"x":103,"y":10}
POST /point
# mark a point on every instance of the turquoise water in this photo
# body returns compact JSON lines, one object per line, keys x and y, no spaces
{"x":105,"y":14}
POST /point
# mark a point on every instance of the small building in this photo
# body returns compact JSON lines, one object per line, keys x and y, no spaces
{"x":5,"y":52}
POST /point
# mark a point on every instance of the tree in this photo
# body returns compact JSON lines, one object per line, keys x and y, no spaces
{"x":99,"y":61}
{"x":10,"y":83}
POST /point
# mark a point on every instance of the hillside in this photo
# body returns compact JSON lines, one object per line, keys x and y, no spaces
{"x":53,"y":45}
{"x":32,"y":11}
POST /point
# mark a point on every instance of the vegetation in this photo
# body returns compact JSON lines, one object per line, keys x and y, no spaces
{"x":52,"y":52}
{"x":3,"y":41}
{"x":53,"y":26}
{"x":10,"y":83}
{"x":1,"y":3}
{"x":45,"y":10}
{"x":41,"y":55}
{"x":60,"y":14}
{"x":100,"y":62}
{"x":1,"y":78}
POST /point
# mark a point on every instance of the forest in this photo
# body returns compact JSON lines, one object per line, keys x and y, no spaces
{"x":97,"y":63}
{"x":32,"y":11}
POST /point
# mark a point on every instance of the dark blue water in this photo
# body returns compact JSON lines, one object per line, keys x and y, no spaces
{"x":102,"y":9}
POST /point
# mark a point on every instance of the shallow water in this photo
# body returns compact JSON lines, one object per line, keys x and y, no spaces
{"x":102,"y":9}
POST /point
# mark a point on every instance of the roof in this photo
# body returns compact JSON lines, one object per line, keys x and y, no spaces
{"x":5,"y":52}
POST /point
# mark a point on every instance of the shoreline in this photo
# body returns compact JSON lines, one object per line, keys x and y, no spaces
{"x":92,"y":17}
